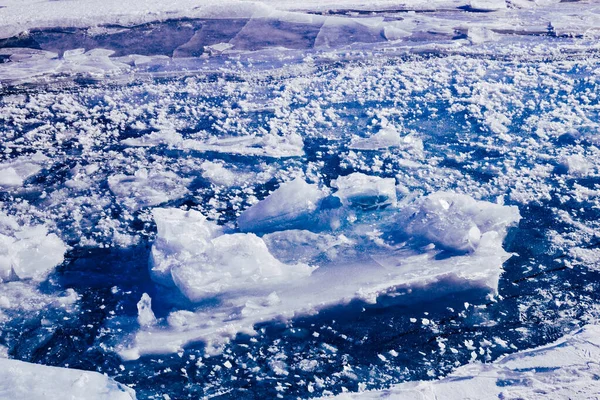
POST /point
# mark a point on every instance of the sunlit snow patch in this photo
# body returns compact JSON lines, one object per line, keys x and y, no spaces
{"x":320,"y":253}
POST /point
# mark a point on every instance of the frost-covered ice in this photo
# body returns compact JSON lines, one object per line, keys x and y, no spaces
{"x":25,"y":381}
{"x":565,"y":369}
{"x":315,"y":270}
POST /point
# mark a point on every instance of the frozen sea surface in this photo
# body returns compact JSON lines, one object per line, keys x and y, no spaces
{"x":258,"y":200}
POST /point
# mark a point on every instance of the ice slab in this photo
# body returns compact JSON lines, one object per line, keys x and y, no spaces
{"x":565,"y":369}
{"x":27,"y":252}
{"x":365,"y":191}
{"x":239,"y":280}
{"x":15,"y":172}
{"x":144,"y":189}
{"x":26,"y":381}
{"x":287,"y":207}
{"x":267,"y":145}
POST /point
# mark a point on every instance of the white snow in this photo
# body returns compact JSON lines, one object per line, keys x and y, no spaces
{"x":25,"y":381}
{"x":566,"y":369}
{"x":27,"y":251}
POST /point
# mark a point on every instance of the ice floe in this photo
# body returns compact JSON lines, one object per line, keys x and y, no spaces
{"x":292,"y":272}
{"x":25,"y":381}
{"x":15,"y":172}
{"x":147,"y":188}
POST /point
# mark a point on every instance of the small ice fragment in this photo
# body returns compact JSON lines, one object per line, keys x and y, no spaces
{"x":365,"y":191}
{"x":287,"y":207}
{"x":145,"y":315}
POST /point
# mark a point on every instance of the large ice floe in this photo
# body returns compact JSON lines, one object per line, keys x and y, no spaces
{"x":319,"y":250}
{"x":24,"y":381}
{"x":565,"y":369}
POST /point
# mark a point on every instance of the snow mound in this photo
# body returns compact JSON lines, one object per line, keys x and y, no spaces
{"x":455,"y":221}
{"x":565,"y":369}
{"x":25,"y":381}
{"x":27,"y":252}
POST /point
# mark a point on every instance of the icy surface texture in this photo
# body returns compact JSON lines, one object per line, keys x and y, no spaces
{"x":565,"y":369}
{"x":24,"y":381}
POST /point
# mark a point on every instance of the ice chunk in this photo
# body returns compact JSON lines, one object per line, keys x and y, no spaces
{"x":27,"y":252}
{"x":234,"y":262}
{"x":565,"y":369}
{"x":203,"y":261}
{"x":25,"y":381}
{"x":256,"y":279}
{"x":180,"y":236}
{"x":145,"y":314}
{"x":455,"y":221}
{"x":144,"y":189}
{"x":168,"y":137}
{"x":16,"y":172}
{"x":365,"y":191}
{"x":577,"y":165}
{"x":268,"y":145}
{"x":386,"y":137}
{"x":287,"y":207}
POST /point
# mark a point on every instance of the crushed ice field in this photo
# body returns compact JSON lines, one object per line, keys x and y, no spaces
{"x":258,"y":202}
